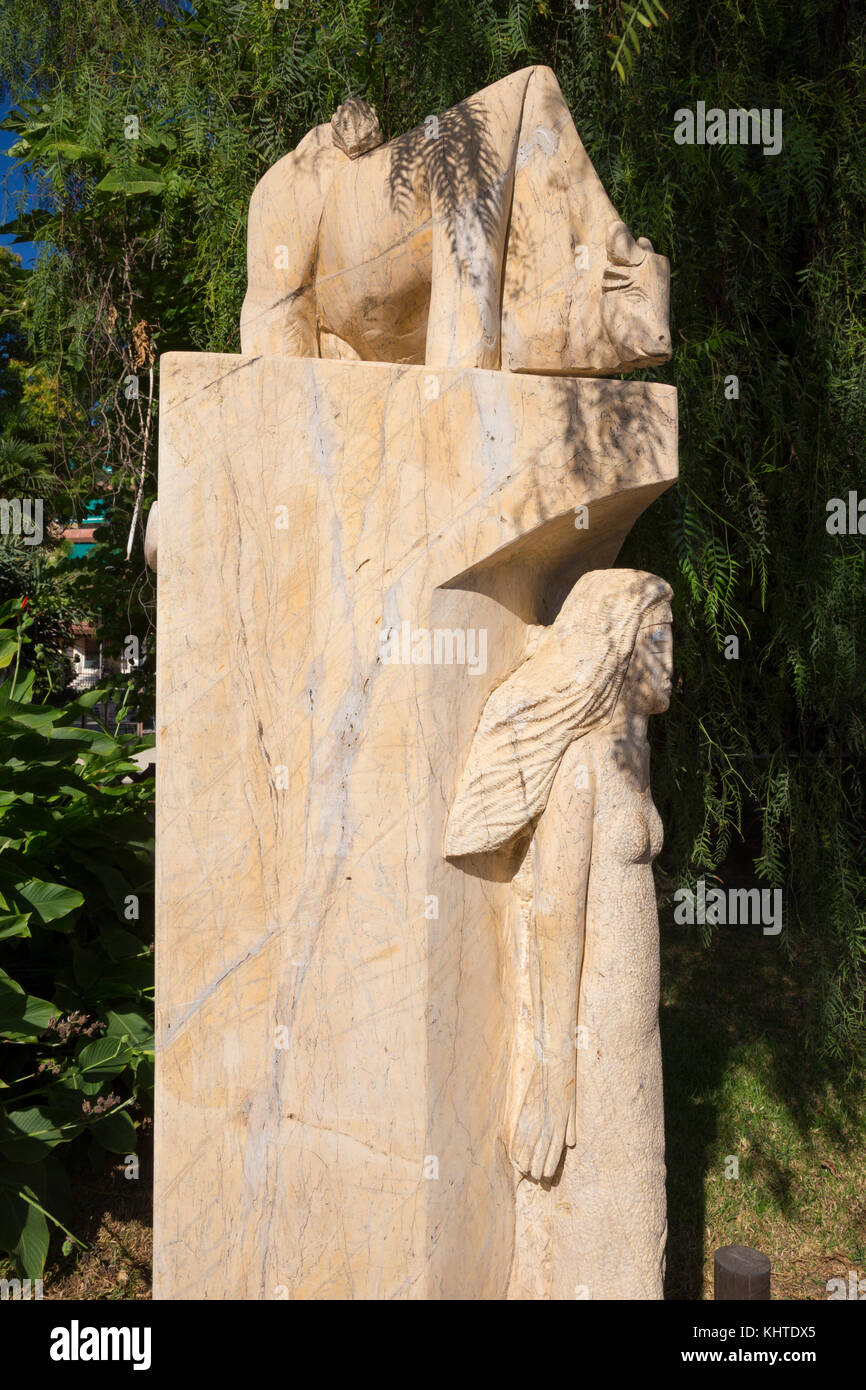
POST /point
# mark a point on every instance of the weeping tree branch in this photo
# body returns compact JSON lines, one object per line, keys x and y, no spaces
{"x":141,"y":477}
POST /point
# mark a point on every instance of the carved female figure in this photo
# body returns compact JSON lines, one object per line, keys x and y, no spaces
{"x":558,"y":778}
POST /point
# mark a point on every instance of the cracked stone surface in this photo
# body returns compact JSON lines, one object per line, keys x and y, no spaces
{"x":335,"y":1018}
{"x":484,"y":238}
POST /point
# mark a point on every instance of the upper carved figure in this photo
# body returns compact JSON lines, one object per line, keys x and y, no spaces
{"x":483,"y":238}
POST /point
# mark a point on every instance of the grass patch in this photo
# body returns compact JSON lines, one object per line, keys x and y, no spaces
{"x":114,"y":1217}
{"x":740,"y":1084}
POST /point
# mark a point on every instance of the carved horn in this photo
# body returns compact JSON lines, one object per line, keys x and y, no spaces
{"x":622,"y":249}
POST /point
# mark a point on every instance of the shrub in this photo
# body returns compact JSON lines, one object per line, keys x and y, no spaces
{"x":76,"y":967}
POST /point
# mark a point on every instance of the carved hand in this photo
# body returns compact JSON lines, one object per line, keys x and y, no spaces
{"x":545,"y":1123}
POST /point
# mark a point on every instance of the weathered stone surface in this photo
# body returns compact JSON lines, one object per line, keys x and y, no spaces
{"x":355,"y":128}
{"x":483,"y":238}
{"x":555,"y":796}
{"x":333,"y":1011}
{"x":151,"y":538}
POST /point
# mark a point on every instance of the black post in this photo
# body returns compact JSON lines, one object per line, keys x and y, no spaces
{"x":741,"y":1273}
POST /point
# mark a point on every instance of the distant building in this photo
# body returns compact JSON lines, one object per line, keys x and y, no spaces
{"x":81,"y":538}
{"x":86,"y":657}
{"x":85,"y":654}
{"x":80,"y":535}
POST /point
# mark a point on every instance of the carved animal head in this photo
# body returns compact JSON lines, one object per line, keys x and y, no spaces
{"x":635,"y":302}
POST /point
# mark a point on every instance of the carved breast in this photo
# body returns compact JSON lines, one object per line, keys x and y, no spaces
{"x":634,"y":832}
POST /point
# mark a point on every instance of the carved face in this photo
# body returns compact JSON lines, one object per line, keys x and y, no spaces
{"x":635,"y":301}
{"x":650,"y":671}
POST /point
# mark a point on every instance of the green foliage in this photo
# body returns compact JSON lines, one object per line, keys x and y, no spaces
{"x":40,"y":585}
{"x":76,"y":975}
{"x":144,"y":251}
{"x":646,"y":14}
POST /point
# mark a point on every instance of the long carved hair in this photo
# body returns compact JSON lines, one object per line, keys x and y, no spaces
{"x":568,"y":685}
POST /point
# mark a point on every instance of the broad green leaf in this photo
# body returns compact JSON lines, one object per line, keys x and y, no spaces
{"x":69,"y":150}
{"x":144,"y":1080}
{"x":73,"y":1082}
{"x":31,"y":1249}
{"x":85,"y":702}
{"x":130,"y":1024}
{"x":28,"y":1135}
{"x":22,"y":1016}
{"x":50,"y":901}
{"x":87,"y":740}
{"x":120,"y":944}
{"x":105,"y":1058}
{"x":140,"y":178}
{"x":116,"y":887}
{"x":115,"y":1132}
{"x":124,"y":979}
{"x":27,"y":1194}
{"x":16,"y":694}
{"x":14,"y":924}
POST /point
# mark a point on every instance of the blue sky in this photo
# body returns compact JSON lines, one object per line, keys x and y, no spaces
{"x":12,"y":182}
